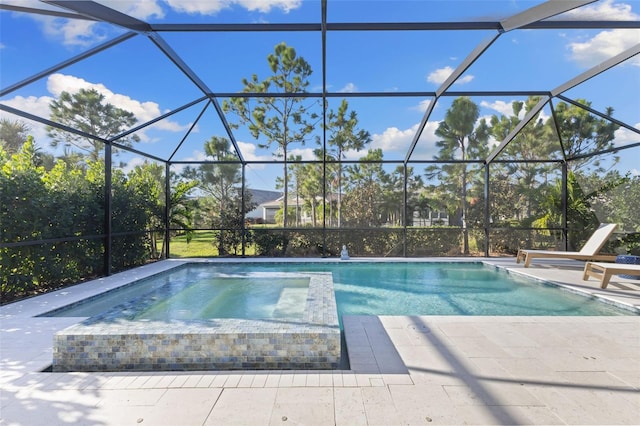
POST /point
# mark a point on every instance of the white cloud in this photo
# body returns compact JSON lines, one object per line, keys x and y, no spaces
{"x":72,"y":32}
{"x":265,"y":6}
{"x":393,"y":139}
{"x":58,"y":83}
{"x":211,"y":7}
{"x":426,"y":146}
{"x":306,"y":154}
{"x":196,"y":156}
{"x":248,"y":151}
{"x":493,"y":142}
{"x":486,"y":118}
{"x":83,"y":33}
{"x":606,"y":43}
{"x":38,"y":106}
{"x":141,"y":9}
{"x":203,"y":7}
{"x":143,"y":111}
{"x":35,"y":105}
{"x":80,"y":32}
{"x":603,"y":10}
{"x":398,"y":141}
{"x":542,"y":115}
{"x":624,"y":136}
{"x":603,"y":46}
{"x":171,"y":126}
{"x":504,"y":108}
{"x":422,"y":106}
{"x":348,"y":88}
{"x":132,"y":163}
{"x":353,"y":155}
{"x":440,"y":75}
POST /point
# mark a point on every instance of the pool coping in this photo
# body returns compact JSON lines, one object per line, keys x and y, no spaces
{"x":548,"y":275}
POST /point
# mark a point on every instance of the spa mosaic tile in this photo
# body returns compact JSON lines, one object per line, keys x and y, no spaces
{"x":112,"y":342}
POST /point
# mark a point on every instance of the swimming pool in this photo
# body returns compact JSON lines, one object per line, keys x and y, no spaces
{"x":386,"y":288}
{"x":121,"y":335}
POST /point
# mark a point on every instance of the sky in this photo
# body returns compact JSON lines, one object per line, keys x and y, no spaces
{"x":136,"y":76}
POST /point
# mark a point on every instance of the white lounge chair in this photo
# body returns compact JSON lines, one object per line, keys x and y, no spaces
{"x":590,"y":250}
{"x":603,"y":271}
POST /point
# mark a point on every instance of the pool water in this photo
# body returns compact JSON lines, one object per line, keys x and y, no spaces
{"x":232,"y":297}
{"x":442,"y":289}
{"x":194,"y":293}
{"x":365,"y":288}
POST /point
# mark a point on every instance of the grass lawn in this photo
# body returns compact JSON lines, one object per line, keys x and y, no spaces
{"x":201,"y":245}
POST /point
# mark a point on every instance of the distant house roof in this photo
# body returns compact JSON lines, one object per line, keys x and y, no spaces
{"x":261,"y":196}
{"x":276,"y":199}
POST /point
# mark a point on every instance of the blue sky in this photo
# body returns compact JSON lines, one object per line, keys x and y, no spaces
{"x":136,"y":76}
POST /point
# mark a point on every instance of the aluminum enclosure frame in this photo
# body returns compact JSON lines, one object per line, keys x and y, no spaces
{"x":534,"y":18}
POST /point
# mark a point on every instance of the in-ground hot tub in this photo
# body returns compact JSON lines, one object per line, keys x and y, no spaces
{"x":128,"y":338}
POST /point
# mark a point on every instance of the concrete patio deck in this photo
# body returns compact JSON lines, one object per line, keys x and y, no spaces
{"x":404,"y":370}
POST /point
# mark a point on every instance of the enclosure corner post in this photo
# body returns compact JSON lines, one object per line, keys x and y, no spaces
{"x":242,"y":211}
{"x":107,"y":208}
{"x":487,"y":213}
{"x":167,"y":208}
{"x":405,"y":215}
{"x":565,"y":206}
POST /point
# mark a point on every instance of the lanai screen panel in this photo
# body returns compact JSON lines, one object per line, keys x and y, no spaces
{"x":401,"y":66}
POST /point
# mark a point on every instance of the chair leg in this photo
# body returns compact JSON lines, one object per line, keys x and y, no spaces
{"x":602,"y":274}
{"x":587,"y":271}
{"x":606,"y":276}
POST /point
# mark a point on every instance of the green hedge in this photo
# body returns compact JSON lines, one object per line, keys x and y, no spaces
{"x":61,"y":211}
